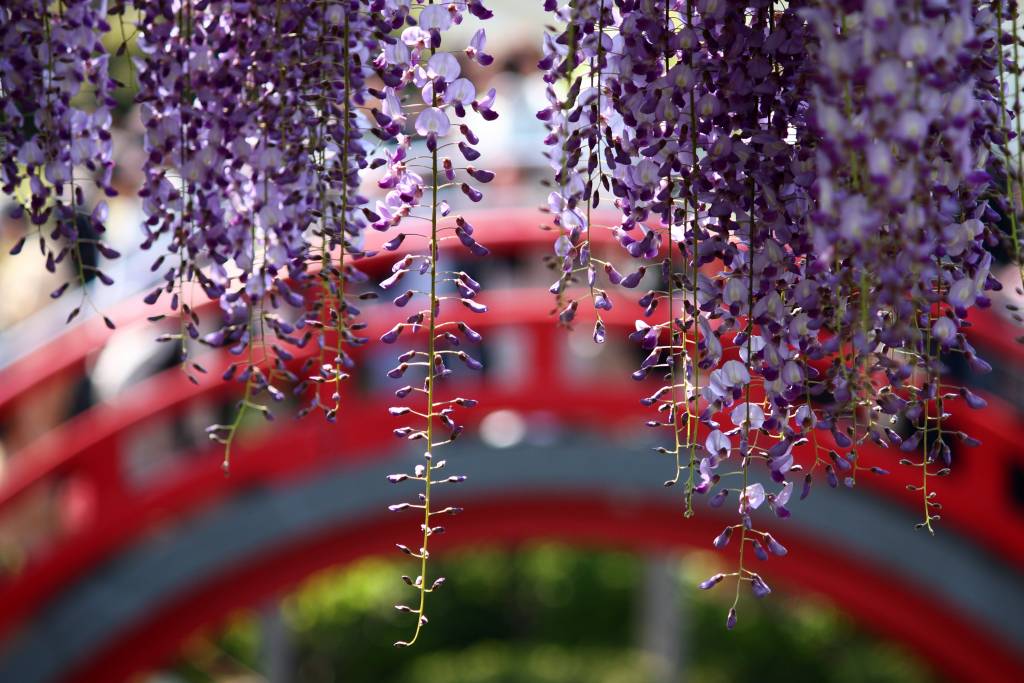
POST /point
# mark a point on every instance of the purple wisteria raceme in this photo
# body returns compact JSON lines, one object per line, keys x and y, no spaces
{"x":254,"y":153}
{"x":805,"y":197}
{"x":575,"y":63}
{"x":811,"y":184}
{"x":415,"y":61}
{"x":903,"y":112}
{"x":346,"y":44}
{"x":56,"y":150}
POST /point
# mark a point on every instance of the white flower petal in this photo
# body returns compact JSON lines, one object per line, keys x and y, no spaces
{"x":754,"y":496}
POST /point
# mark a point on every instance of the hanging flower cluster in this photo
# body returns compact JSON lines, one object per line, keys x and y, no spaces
{"x":806,"y":189}
{"x":55,"y":144}
{"x":346,"y":43}
{"x":251,"y":159}
{"x":256,"y":118}
{"x":807,"y":195}
{"x":415,"y":61}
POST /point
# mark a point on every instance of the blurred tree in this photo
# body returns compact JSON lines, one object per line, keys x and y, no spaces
{"x":548,"y":614}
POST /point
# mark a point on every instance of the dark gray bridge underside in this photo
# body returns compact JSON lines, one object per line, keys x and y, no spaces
{"x":97,"y":610}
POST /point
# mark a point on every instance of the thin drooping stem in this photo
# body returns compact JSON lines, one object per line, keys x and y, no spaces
{"x":1011,"y":201}
{"x":431,"y":381}
{"x":695,"y":352}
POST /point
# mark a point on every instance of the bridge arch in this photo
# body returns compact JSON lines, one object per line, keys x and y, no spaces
{"x":858,"y":547}
{"x":855,"y":548}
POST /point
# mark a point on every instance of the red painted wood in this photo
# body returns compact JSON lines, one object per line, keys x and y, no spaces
{"x":507,"y":231}
{"x":105,"y":514}
{"x":86,"y":449}
{"x":889,"y":608}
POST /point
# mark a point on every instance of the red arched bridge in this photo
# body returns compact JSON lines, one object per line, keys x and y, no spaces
{"x":143,"y":540}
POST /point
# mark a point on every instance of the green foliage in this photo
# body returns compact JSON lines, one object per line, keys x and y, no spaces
{"x":494,"y":662}
{"x":551,"y":614}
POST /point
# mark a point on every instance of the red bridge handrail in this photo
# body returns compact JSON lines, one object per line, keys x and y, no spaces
{"x":86,"y":449}
{"x":504,"y":231}
{"x":881,"y":603}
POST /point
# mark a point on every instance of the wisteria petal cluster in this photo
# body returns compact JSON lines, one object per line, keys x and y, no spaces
{"x":56,"y":149}
{"x":255,"y":149}
{"x":805,"y":196}
{"x":424,"y":98}
{"x":259,"y":121}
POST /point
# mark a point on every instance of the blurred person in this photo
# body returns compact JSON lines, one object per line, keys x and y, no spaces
{"x":131,"y":273}
{"x":24,"y":277}
{"x":513,"y":146}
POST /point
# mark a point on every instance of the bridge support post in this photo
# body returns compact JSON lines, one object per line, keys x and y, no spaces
{"x":661,"y":618}
{"x":276,"y":644}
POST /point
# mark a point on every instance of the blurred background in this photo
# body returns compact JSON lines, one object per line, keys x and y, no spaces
{"x":126,"y":555}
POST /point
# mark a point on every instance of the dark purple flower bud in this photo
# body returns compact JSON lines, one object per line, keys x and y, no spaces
{"x":711,"y":582}
{"x":215,"y":338}
{"x":968,"y":440}
{"x":651,"y":360}
{"x":390,"y":282}
{"x":722,"y":539}
{"x":759,"y":587}
{"x":842,"y":463}
{"x":775,"y":547}
{"x":468,"y":152}
{"x":633,"y":279}
{"x":978,"y":364}
{"x":477,"y":9}
{"x":909,"y":444}
{"x":402,"y":299}
{"x":473,"y":284}
{"x":759,"y":551}
{"x":613,"y":275}
{"x":946,"y":452}
{"x":470,"y":333}
{"x":568,"y":313}
{"x":471,"y":192}
{"x":972,"y":399}
{"x":978,"y":177}
{"x":730,"y":620}
{"x":480,"y":175}
{"x":894,"y":438}
{"x":107,"y":251}
{"x":475,"y":247}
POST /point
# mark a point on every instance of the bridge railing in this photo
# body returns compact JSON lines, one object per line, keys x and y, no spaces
{"x":84,"y":468}
{"x":98,"y":481}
